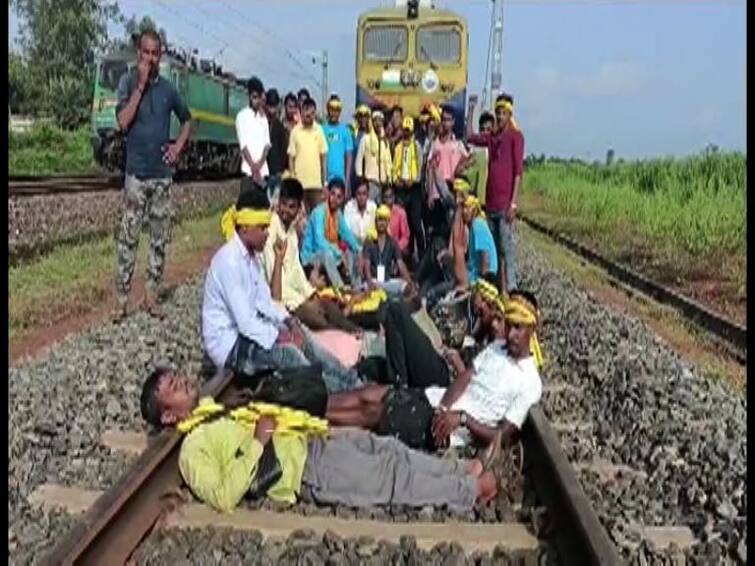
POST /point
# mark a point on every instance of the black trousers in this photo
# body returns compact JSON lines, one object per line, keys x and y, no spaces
{"x":411,"y":200}
{"x":410,"y":357}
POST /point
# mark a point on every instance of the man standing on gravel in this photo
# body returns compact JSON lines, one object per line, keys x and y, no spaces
{"x":145,"y":103}
{"x":505,"y":165}
{"x":253,"y":134}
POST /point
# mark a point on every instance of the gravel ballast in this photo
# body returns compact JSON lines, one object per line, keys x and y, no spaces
{"x":644,"y":408}
{"x":38,"y":223}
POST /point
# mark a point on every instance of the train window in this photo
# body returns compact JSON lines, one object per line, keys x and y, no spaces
{"x":439,"y":44}
{"x":111,"y":73}
{"x":385,"y":43}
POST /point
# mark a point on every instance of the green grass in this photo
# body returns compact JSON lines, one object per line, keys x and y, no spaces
{"x":74,"y":280}
{"x":49,"y":150}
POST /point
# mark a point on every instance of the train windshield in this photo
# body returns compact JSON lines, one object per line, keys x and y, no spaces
{"x":111,"y":73}
{"x":385,"y":43}
{"x":438,"y":44}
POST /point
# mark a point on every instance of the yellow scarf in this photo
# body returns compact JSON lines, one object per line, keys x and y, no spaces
{"x":244,"y":217}
{"x":398,"y":160}
{"x":287,"y":420}
{"x":487,"y":291}
{"x":518,"y":310}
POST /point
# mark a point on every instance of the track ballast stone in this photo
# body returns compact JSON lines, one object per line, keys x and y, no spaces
{"x":648,"y":410}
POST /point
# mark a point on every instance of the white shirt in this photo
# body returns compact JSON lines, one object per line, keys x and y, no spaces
{"x":500,"y":388}
{"x":253,"y":133}
{"x":357,"y":221}
{"x":237,"y":301}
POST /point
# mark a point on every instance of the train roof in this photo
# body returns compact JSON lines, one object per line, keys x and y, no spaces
{"x":425,"y":14}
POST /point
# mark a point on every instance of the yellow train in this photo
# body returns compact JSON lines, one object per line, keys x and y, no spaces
{"x":412,"y":54}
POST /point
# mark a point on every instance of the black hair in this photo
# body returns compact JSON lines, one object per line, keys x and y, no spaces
{"x":446,"y":109}
{"x":309,"y":103}
{"x":525,"y":295}
{"x":255,"y":86}
{"x":490,"y":277}
{"x":290,"y":97}
{"x":389,"y":188}
{"x":361,"y":181}
{"x":272,"y":98}
{"x":152,"y":34}
{"x":336,"y":183}
{"x":252,"y":195}
{"x":303,"y":92}
{"x":395,"y":109}
{"x":486,"y":117}
{"x":334,"y":97}
{"x":425,"y":111}
{"x":291,"y":189}
{"x":151,"y":411}
{"x":505,"y":96}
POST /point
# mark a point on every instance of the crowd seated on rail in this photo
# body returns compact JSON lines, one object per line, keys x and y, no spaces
{"x":360,"y":333}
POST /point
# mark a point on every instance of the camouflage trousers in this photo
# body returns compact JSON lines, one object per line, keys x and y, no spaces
{"x":147,"y":199}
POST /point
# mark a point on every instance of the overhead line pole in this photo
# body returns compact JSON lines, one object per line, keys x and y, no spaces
{"x":496,"y":68}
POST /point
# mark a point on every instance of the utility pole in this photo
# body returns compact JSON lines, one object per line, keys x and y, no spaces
{"x":324,"y":79}
{"x":496,"y":67}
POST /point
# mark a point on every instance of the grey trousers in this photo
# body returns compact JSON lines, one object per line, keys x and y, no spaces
{"x":360,"y":469}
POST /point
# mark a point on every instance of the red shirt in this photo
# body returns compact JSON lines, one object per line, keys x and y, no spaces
{"x":505,"y":162}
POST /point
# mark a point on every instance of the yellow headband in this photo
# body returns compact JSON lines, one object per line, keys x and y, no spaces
{"x":362,"y":110}
{"x":383,"y":212}
{"x":461,"y":185}
{"x":519,"y":310}
{"x":505,"y":105}
{"x":435,"y":114}
{"x":244,"y":217}
{"x":423,"y":118}
{"x":334,"y":103}
{"x":487,"y":291}
{"x":474,"y":203}
{"x":408,"y":123}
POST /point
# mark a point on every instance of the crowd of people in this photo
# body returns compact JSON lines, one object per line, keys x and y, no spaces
{"x":343,"y":243}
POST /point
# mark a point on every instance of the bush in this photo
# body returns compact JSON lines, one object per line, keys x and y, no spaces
{"x":49,"y":150}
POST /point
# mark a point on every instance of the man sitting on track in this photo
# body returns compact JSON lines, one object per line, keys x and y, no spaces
{"x":284,"y":272}
{"x":262,"y":450}
{"x":499,"y":388}
{"x":242,"y":328}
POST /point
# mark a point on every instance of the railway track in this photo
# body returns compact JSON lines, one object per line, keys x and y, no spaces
{"x":117,"y":522}
{"x":730,"y":335}
{"x":25,"y":186}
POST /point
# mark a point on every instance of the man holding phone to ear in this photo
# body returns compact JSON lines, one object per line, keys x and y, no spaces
{"x":145,"y":103}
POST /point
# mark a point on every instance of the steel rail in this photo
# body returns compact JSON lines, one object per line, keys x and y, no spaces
{"x":731,"y":333}
{"x":118,"y":521}
{"x":35,"y":186}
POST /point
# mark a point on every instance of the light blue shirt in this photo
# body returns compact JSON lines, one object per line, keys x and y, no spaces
{"x":340,"y":142}
{"x":315,"y":240}
{"x":480,"y":240}
{"x":237,"y":301}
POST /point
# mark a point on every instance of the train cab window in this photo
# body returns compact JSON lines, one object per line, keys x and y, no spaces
{"x":111,"y":73}
{"x":438,"y":44}
{"x":385,"y":43}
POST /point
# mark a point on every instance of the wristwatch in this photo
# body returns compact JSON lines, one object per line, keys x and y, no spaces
{"x":463,"y":418}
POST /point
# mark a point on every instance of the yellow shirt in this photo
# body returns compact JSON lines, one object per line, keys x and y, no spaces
{"x":295,"y":287}
{"x":306,"y":145}
{"x":218,"y":461}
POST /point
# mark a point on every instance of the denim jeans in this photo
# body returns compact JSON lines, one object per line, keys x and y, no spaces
{"x":394,"y":287}
{"x":503,"y":235}
{"x":249,"y":358}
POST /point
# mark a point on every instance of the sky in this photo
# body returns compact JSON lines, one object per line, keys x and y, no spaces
{"x":645,"y":78}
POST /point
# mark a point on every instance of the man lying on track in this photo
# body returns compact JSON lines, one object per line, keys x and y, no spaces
{"x":266,"y":450}
{"x":242,"y":328}
{"x":496,"y":392}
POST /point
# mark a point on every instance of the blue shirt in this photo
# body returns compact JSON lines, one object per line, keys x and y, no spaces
{"x":339,"y":142}
{"x":237,"y":301}
{"x":480,"y":240}
{"x":150,"y":130}
{"x":315,"y":240}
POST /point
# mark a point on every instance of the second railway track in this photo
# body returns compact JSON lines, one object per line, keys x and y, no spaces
{"x":22,"y":186}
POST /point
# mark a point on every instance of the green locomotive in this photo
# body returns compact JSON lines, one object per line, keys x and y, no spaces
{"x":213,"y":96}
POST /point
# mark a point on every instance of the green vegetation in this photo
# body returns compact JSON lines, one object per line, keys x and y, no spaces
{"x":74,"y":280}
{"x":50,"y":150}
{"x":680,"y":219}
